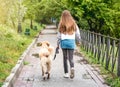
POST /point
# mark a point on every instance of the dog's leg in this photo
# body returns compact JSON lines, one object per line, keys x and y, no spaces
{"x":43,"y":74}
{"x":44,"y":71}
{"x":48,"y":76}
{"x":48,"y":69}
{"x":44,"y":78}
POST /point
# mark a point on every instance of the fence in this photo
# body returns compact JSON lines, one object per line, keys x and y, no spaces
{"x":105,"y":49}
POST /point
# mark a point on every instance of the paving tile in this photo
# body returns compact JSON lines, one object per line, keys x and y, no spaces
{"x":30,"y":75}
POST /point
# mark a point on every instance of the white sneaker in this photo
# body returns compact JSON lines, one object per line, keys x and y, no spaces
{"x":72,"y":74}
{"x":66,"y":75}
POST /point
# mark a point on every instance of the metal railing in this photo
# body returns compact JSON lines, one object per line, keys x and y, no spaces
{"x":105,"y":49}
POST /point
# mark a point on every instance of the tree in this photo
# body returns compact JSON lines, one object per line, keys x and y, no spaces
{"x":48,"y":9}
{"x":31,"y":6}
{"x":100,"y":15}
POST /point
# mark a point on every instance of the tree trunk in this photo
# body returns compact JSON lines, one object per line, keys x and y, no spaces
{"x":31,"y":24}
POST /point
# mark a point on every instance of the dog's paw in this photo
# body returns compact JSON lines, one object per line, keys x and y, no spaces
{"x":44,"y":78}
{"x":48,"y":76}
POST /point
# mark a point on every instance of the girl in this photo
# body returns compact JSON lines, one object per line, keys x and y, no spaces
{"x":68,"y":34}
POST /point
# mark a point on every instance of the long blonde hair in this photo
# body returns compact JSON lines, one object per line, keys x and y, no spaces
{"x":67,"y":24}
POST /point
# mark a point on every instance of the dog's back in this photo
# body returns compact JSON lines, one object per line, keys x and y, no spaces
{"x":45,"y":54}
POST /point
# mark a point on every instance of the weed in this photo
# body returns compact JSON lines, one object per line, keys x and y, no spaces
{"x":12,"y":45}
{"x":25,"y":63}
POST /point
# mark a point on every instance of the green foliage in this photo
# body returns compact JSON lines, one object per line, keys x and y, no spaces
{"x":12,"y":46}
{"x":110,"y":78}
{"x":113,"y":82}
{"x":9,"y":12}
{"x":97,"y":15}
{"x":10,"y":49}
{"x":45,"y":9}
{"x":88,"y":56}
{"x":25,"y":63}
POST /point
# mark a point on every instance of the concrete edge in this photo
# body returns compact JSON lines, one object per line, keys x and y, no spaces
{"x":94,"y":74}
{"x":9,"y":81}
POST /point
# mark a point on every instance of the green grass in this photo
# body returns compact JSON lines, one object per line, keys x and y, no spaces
{"x":12,"y":45}
{"x":25,"y":63}
{"x":110,"y":78}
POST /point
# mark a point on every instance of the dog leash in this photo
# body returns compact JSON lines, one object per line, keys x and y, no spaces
{"x":57,"y":49}
{"x":56,"y":52}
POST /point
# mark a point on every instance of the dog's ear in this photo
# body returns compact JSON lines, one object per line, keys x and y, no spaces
{"x":39,"y":44}
{"x":51,"y":49}
{"x":48,"y":44}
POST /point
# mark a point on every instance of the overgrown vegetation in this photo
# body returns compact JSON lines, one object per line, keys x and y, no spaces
{"x":12,"y":45}
{"x":111,"y":79}
{"x":100,"y":16}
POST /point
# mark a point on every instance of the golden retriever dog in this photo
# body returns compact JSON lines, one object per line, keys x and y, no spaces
{"x":45,"y":54}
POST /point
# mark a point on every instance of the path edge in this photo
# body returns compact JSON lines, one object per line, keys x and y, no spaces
{"x":9,"y":81}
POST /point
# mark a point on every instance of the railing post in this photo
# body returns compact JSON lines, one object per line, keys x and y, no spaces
{"x":113,"y":55}
{"x":85,"y":40}
{"x":103,"y":50}
{"x":107,"y":53}
{"x":99,"y":47}
{"x":93,"y":44}
{"x":88,"y":41}
{"x":82,"y":38}
{"x":118,"y":67}
{"x":95,"y":54}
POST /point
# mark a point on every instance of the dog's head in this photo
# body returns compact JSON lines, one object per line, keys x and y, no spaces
{"x":46,"y":49}
{"x":45,"y":53}
{"x":43,"y":44}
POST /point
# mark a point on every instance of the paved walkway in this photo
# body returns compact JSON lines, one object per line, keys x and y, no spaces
{"x":30,"y":75}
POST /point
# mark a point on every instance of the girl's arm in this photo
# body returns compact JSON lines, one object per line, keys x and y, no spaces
{"x":58,"y":38}
{"x":77,"y":35}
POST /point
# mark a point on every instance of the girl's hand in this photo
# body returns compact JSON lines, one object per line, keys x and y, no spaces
{"x":78,"y":44}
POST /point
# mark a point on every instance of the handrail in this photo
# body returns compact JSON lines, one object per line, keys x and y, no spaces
{"x":105,"y":49}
